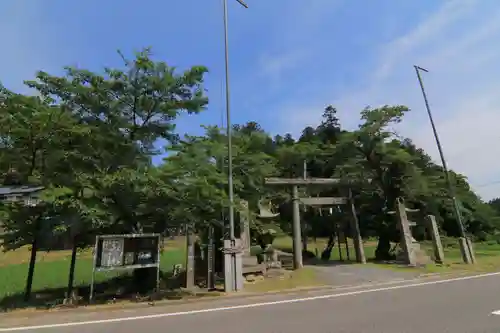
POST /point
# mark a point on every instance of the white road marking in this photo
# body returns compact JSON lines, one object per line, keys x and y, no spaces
{"x":247,"y":306}
{"x":496,"y":313}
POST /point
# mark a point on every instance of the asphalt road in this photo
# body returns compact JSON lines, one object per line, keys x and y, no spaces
{"x":457,"y":305}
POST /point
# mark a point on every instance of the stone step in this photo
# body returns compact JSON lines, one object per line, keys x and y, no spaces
{"x":250,"y":260}
{"x":254,"y":269}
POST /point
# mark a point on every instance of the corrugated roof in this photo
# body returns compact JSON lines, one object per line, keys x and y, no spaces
{"x":9,"y":190}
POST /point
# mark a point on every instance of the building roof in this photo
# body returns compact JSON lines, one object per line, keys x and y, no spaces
{"x":23,"y":189}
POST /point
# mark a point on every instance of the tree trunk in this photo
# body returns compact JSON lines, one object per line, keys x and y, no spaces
{"x":327,"y":252}
{"x":305,"y":235}
{"x":383,"y":247}
{"x":144,"y":279}
{"x":71,"y":277}
{"x":31,"y":269}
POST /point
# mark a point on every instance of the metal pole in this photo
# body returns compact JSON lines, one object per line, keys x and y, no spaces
{"x":451,"y":190}
{"x":228,"y":121}
{"x":229,"y":139}
{"x":228,"y":124}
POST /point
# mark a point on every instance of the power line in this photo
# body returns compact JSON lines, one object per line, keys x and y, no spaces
{"x":495,"y":182}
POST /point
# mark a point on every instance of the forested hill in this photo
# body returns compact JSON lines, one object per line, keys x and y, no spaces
{"x":397,"y":167}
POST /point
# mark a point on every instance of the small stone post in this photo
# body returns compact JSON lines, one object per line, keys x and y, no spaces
{"x":436,"y":240}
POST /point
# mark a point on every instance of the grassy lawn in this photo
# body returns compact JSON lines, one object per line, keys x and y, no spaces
{"x":487,"y":260}
{"x":487,"y":255}
{"x":52,"y":268}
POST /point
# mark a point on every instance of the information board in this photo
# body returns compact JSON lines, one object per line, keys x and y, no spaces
{"x":127,"y":251}
{"x":130,"y":251}
{"x":112,"y":252}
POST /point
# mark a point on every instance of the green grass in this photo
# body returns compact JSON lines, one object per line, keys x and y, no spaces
{"x":52,"y":270}
{"x":487,"y":259}
{"x":54,"y":274}
{"x":487,"y":255}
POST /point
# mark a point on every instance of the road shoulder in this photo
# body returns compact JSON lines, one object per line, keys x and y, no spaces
{"x":88,"y":316}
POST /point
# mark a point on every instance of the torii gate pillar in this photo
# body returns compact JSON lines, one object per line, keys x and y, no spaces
{"x":296,"y":230}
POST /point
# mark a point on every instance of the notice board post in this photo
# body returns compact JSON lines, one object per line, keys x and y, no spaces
{"x":124,"y":252}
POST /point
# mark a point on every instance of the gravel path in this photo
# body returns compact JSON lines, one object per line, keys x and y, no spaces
{"x":340,"y":275}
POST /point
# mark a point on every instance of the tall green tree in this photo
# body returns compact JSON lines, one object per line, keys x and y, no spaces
{"x":89,"y":137}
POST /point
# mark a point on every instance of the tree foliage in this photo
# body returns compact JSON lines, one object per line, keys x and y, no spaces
{"x":88,"y":138}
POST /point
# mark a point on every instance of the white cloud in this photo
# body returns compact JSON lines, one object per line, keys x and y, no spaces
{"x":426,"y":32}
{"x":274,"y":66}
{"x":463,"y":86}
{"x":458,"y":44}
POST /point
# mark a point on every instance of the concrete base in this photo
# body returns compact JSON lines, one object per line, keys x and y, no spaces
{"x":471,"y":250}
{"x":417,"y":256}
{"x":233,"y":267}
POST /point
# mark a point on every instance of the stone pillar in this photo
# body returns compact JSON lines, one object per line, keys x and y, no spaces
{"x":238,"y":267}
{"x":190,"y":258}
{"x":245,"y":229}
{"x":436,"y":240}
{"x":228,"y":272}
{"x":406,"y":236}
{"x":297,"y":243}
{"x":210,"y":259}
{"x":357,"y":240}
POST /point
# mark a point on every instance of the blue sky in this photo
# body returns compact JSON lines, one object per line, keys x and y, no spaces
{"x":290,"y":58}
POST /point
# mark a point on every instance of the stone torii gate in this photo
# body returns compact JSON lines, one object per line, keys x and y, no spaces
{"x":317,"y":201}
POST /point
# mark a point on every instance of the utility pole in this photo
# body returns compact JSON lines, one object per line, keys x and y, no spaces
{"x":468,"y":259}
{"x":232,"y":279}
